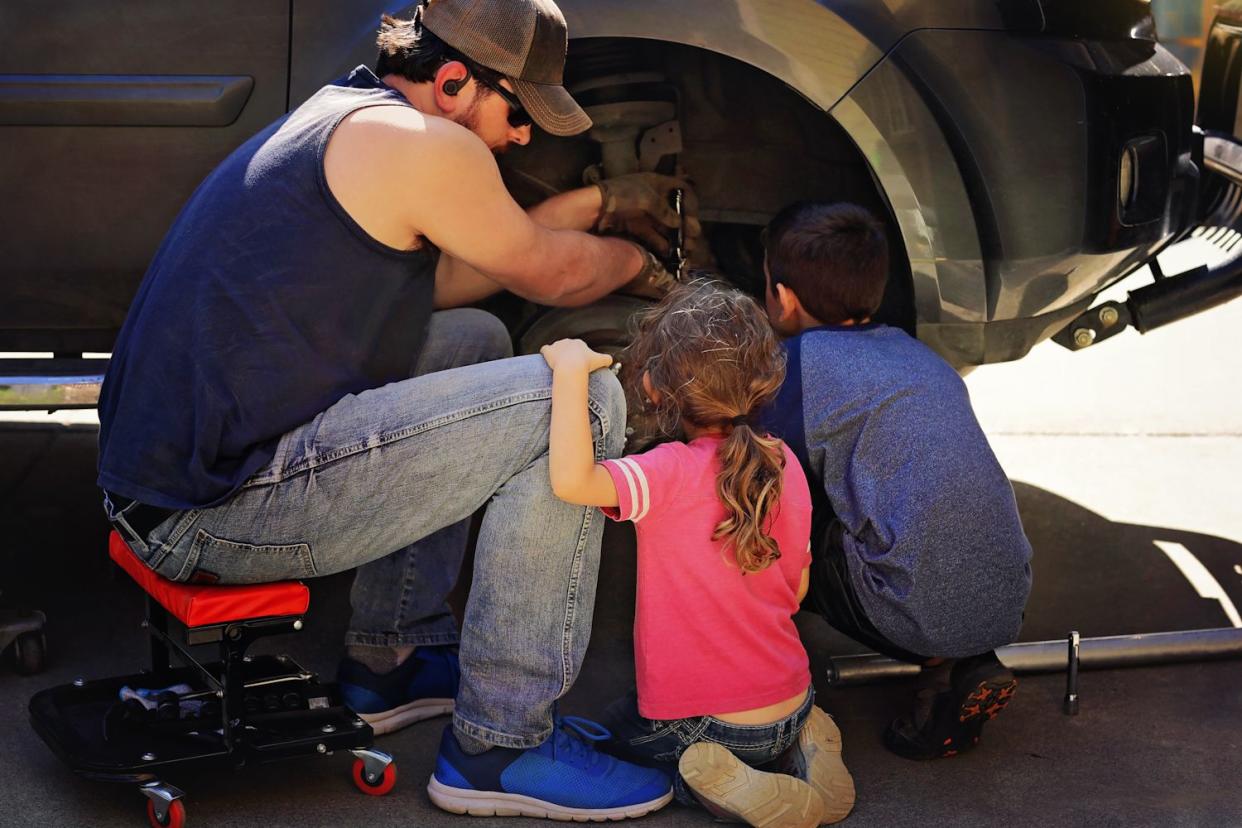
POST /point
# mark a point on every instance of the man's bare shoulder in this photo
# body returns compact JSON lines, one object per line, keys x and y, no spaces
{"x":381,"y":156}
{"x":394,"y":131}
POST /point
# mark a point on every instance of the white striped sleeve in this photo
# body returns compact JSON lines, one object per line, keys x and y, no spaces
{"x":642,"y":504}
{"x":645,"y":482}
{"x":627,"y":489}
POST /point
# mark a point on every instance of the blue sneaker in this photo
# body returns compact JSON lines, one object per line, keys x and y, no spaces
{"x":564,"y":778}
{"x":423,"y":686}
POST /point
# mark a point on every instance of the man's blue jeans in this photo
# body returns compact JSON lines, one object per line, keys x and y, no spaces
{"x":385,"y":481}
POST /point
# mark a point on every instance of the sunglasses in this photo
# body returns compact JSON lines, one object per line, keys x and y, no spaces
{"x":518,"y":116}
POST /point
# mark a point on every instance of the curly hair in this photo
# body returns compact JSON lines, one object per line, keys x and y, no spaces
{"x":712,"y":359}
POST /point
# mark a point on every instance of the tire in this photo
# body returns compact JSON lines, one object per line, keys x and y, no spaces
{"x":381,"y":786}
{"x":604,"y":325}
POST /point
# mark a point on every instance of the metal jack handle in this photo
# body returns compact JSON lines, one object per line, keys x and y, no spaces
{"x":1071,"y":675}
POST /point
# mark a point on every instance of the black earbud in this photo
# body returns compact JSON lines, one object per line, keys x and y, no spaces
{"x":453,"y":85}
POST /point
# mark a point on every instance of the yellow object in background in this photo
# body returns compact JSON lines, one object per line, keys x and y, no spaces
{"x":1182,"y":26}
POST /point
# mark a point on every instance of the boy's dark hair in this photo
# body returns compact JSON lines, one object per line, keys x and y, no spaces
{"x":411,"y":50}
{"x":834,"y":257}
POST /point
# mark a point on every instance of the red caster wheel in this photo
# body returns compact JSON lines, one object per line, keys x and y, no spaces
{"x":174,"y":817}
{"x":381,"y":785}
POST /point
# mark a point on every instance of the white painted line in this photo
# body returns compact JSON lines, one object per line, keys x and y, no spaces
{"x":1202,"y":580}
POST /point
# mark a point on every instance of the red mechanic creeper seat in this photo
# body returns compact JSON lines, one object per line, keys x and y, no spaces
{"x":200,"y":606}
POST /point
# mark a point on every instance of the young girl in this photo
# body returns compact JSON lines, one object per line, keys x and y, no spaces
{"x":723,"y":526}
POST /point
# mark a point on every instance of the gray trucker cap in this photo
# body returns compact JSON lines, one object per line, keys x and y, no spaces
{"x":524,"y":40}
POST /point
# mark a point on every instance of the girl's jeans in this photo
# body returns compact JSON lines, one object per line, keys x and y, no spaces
{"x":660,"y":743}
{"x":385,"y":481}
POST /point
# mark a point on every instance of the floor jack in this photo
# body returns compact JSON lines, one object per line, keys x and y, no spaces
{"x":232,"y":711}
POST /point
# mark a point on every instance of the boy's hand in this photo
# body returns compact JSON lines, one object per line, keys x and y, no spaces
{"x":573,"y":354}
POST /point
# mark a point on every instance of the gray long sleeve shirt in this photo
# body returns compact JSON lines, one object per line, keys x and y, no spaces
{"x":933,"y":541}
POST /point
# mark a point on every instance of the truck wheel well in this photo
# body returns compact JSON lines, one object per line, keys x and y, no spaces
{"x":748,"y":140}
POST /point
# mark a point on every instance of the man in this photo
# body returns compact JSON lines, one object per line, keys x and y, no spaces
{"x":259,"y":420}
{"x":917,"y":547}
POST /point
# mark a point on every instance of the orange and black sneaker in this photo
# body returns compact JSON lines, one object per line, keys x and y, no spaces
{"x":949,"y":716}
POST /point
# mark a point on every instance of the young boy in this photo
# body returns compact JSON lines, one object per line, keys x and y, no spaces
{"x":918,"y":550}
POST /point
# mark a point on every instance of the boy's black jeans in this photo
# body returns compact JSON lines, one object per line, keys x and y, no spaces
{"x":832,"y":594}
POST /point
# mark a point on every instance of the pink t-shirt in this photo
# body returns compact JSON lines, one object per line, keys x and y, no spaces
{"x":709,"y":639}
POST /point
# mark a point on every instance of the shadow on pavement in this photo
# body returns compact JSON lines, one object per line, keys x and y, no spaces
{"x":1152,"y":746}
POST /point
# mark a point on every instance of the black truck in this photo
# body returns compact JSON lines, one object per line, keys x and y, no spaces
{"x":1026,"y":154}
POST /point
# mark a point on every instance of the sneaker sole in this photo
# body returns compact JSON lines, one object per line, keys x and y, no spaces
{"x":987,"y":700}
{"x":820,"y":743}
{"x":495,"y":803}
{"x":983,"y":704}
{"x":406,"y":714}
{"x":729,"y":786}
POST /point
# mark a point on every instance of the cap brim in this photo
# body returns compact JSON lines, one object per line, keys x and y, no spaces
{"x":552,"y":107}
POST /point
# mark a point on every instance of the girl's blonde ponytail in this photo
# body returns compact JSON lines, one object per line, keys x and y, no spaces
{"x":752,"y":471}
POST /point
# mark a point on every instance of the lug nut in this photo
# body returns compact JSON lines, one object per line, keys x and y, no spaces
{"x":1084,"y":337}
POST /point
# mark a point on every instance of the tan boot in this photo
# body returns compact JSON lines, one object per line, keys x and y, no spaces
{"x":730,"y":788}
{"x":817,"y":759}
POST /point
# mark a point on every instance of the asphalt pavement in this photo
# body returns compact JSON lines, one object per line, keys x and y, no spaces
{"x":1124,"y":459}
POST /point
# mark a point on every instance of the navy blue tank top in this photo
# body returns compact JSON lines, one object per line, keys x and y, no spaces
{"x":265,"y":304}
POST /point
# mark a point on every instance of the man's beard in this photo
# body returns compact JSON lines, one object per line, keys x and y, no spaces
{"x":470,"y":120}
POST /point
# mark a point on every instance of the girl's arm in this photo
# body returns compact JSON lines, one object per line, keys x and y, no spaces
{"x":576,"y":477}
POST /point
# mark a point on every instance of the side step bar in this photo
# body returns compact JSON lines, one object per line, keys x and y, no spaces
{"x":50,"y":384}
{"x":1175,"y":297}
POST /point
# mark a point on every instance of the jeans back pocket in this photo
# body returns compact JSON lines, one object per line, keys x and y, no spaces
{"x":219,"y":560}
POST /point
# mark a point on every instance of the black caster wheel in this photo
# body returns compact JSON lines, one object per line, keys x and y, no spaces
{"x":30,"y":653}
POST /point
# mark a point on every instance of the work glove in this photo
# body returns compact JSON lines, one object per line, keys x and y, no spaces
{"x":653,"y":281}
{"x":640,"y":206}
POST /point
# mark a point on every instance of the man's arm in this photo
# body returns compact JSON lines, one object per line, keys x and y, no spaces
{"x":457,"y":283}
{"x":571,"y":210}
{"x":462,"y":206}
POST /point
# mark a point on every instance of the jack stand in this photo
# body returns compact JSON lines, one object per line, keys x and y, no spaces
{"x":1071,"y":676}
